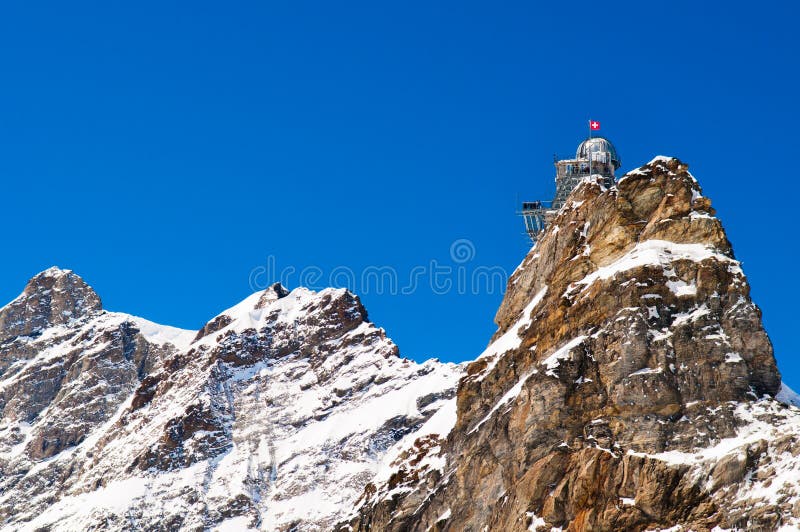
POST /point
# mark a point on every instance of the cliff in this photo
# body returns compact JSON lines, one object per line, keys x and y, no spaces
{"x":629,"y":385}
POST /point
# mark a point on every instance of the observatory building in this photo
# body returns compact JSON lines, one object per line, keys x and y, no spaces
{"x":595,"y":156}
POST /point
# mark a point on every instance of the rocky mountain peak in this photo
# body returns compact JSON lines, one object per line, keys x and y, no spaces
{"x":52,"y":297}
{"x":642,"y":279}
{"x":626,"y":334}
{"x":273,"y":293}
{"x":660,"y":201}
{"x":273,"y":416}
{"x":277,"y":308}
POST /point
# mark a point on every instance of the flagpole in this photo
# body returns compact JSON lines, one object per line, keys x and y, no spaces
{"x":589,"y":148}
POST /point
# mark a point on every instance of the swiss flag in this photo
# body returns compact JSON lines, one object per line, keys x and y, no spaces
{"x":594,"y":125}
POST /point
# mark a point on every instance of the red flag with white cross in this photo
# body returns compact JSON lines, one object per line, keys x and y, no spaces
{"x":594,"y":125}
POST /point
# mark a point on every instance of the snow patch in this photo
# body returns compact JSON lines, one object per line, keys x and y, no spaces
{"x":660,"y":159}
{"x":646,"y":371}
{"x":563,"y":353}
{"x":788,"y":396}
{"x":511,"y":338}
{"x":163,"y":334}
{"x":732,"y":358}
{"x":658,"y":253}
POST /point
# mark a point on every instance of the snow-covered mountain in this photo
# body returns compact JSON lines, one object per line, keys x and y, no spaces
{"x":630,"y":386}
{"x":273,"y":416}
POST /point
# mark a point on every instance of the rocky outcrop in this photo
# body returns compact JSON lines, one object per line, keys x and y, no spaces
{"x":273,"y":416}
{"x":54,"y":297}
{"x":628,"y":353}
{"x":65,"y":365}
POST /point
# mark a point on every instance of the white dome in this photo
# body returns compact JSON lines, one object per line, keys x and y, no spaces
{"x":598,"y":145}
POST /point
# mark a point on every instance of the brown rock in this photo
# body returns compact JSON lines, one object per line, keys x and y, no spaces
{"x":645,"y":316}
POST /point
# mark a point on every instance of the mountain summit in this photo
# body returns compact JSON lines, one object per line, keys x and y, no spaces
{"x":628,"y":385}
{"x":53,"y":297}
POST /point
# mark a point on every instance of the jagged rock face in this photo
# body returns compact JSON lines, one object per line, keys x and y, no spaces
{"x":64,"y":365}
{"x":627,"y":337}
{"x":273,"y":416}
{"x":53,"y":297}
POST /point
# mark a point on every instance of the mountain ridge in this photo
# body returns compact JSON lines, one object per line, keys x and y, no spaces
{"x":630,"y":385}
{"x":285,"y":401}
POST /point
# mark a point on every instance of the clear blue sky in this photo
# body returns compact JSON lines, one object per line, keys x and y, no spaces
{"x":165,"y":150}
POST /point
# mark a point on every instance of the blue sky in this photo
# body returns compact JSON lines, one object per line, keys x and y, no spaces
{"x":171,"y":152}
